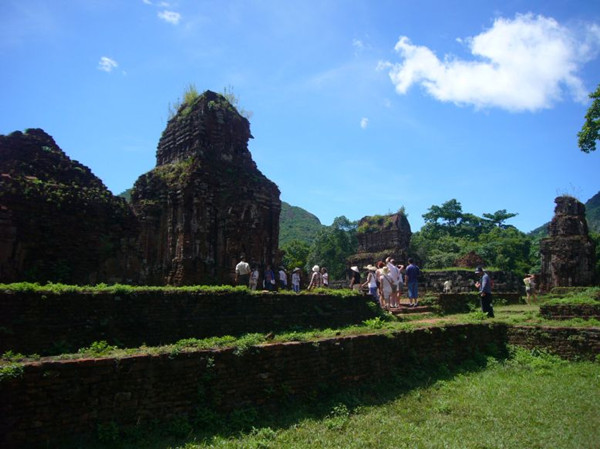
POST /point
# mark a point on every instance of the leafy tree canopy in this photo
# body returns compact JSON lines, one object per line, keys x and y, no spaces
{"x":333,"y":245}
{"x":449,"y":234}
{"x":296,"y":254}
{"x":590,"y":132}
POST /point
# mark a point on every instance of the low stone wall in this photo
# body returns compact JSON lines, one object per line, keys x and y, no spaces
{"x":569,"y":311}
{"x":464,"y":281}
{"x":51,"y":400}
{"x":566,"y":342}
{"x":33,"y":323}
{"x":464,"y":302}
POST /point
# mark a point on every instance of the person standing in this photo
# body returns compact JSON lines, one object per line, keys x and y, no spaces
{"x":315,"y":279}
{"x":324,"y":277}
{"x":282,"y":279}
{"x":394,"y":273}
{"x":354,"y":278}
{"x":296,"y":280}
{"x":412,"y":282}
{"x":529,"y":282}
{"x":269,"y":279}
{"x":242,"y":272}
{"x":401,"y":282}
{"x":254,"y":275}
{"x":386,"y":283}
{"x":485,"y":292}
{"x":371,"y":283}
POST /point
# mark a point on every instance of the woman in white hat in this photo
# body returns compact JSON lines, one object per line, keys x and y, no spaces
{"x":386,"y":282}
{"x":315,"y":280}
{"x":355,"y":278}
{"x":371,"y":282}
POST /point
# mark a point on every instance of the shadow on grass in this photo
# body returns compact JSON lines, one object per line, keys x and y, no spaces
{"x":206,"y":425}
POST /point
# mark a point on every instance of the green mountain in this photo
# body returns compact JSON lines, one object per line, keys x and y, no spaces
{"x":296,"y":223}
{"x":592,"y":215}
{"x":126,"y":194}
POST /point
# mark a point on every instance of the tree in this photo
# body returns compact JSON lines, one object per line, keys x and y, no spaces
{"x":499,"y":217}
{"x":448,"y":214}
{"x":590,"y":132}
{"x":296,"y":254}
{"x":333,"y":245}
{"x":449,"y":235}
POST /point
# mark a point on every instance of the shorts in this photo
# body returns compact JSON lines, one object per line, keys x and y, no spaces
{"x":413,"y":290}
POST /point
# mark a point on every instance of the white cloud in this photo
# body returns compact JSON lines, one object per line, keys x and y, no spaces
{"x":170,"y":16}
{"x":147,"y":2}
{"x":107,"y":64}
{"x":358,"y":44}
{"x":364,"y":122}
{"x":523,"y":64}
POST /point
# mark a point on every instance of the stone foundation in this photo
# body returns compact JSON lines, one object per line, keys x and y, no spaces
{"x":570,"y":311}
{"x":52,"y":324}
{"x":52,"y":400}
{"x":49,"y":401}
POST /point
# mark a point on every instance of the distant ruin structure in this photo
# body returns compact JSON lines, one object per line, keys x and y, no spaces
{"x":191,"y":217}
{"x":568,"y":254}
{"x":58,"y":222}
{"x":381,"y":236}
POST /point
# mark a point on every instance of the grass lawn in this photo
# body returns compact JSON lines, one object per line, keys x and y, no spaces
{"x":529,"y":400}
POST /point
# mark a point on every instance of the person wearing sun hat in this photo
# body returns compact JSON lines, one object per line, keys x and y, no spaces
{"x":354,"y":278}
{"x":386,"y":283}
{"x":485,"y":292}
{"x":371,"y":282}
{"x":315,"y":279}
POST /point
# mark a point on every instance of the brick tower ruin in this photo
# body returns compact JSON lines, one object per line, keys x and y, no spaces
{"x":58,"y":222}
{"x":568,"y":254}
{"x":205,"y":203}
{"x":381,"y":236}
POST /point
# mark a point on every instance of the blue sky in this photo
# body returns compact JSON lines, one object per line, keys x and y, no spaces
{"x":359,"y":107}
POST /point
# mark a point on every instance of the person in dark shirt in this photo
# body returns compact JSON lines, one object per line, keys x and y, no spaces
{"x":412,"y":282}
{"x":485,"y":292}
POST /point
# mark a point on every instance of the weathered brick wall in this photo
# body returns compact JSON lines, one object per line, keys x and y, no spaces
{"x":464,"y":302}
{"x":569,"y":311}
{"x":51,"y":324}
{"x":464,"y":281}
{"x":566,"y":342}
{"x":51,"y":400}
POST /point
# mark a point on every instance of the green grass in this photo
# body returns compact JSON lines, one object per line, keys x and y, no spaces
{"x":123,"y":289}
{"x":529,"y":400}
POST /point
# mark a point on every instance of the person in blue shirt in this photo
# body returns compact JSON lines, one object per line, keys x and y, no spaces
{"x":485,"y":292}
{"x":412,"y":283}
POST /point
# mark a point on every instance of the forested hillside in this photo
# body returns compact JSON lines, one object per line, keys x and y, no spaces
{"x":296,"y":223}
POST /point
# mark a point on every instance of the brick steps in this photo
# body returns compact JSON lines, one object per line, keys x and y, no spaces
{"x":406,"y":310}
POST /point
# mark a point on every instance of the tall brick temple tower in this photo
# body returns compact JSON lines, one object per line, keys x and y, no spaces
{"x":205,"y":203}
{"x":568,"y":254}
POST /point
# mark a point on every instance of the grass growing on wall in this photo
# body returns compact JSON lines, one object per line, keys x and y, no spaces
{"x":124,"y":289}
{"x":528,"y":400}
{"x":385,"y":323}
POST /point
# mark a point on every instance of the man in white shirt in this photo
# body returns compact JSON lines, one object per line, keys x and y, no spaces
{"x":282,"y":278}
{"x":242,"y":272}
{"x":395,"y":275}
